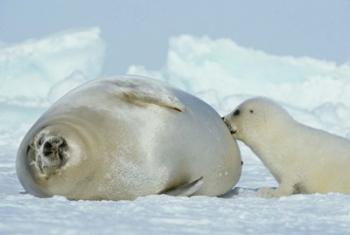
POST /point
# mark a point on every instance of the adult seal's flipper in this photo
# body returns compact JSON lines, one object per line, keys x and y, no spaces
{"x":141,"y":92}
{"x":186,"y":190}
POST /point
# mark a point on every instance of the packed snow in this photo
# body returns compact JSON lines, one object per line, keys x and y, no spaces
{"x":35,"y":73}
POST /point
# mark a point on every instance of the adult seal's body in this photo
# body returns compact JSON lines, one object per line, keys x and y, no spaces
{"x":128,"y":137}
{"x":302,"y":159}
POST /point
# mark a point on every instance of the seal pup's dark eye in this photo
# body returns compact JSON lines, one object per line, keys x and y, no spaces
{"x":251,"y":111}
{"x":236,"y":113}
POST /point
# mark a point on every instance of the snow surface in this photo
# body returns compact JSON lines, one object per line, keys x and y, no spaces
{"x":220,"y":72}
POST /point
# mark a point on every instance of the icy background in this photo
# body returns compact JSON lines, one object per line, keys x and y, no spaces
{"x":35,"y":73}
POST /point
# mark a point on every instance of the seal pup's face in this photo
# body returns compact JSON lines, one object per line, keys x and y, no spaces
{"x":255,"y":118}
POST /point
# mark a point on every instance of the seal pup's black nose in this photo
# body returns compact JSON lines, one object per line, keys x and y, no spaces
{"x":237,"y":112}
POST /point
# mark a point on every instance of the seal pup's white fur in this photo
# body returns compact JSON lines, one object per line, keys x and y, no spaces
{"x":302,"y":159}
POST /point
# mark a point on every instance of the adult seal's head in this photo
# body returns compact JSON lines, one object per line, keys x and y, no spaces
{"x":54,"y":155}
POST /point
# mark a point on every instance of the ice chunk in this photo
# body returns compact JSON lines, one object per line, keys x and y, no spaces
{"x":199,"y":64}
{"x":30,"y":69}
{"x":60,"y":88}
{"x":35,"y":73}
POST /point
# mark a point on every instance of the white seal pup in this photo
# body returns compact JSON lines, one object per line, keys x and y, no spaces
{"x":302,"y":159}
{"x":126,"y":137}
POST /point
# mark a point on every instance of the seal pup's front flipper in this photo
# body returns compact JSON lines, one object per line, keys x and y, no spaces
{"x":141,"y":93}
{"x":186,"y":190}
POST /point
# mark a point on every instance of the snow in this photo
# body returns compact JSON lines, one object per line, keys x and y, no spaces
{"x":220,"y":72}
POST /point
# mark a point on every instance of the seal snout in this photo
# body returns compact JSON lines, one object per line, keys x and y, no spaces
{"x":51,"y":155}
{"x":53,"y":145}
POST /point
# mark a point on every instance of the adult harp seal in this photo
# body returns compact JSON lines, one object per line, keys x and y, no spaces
{"x":126,"y":137}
